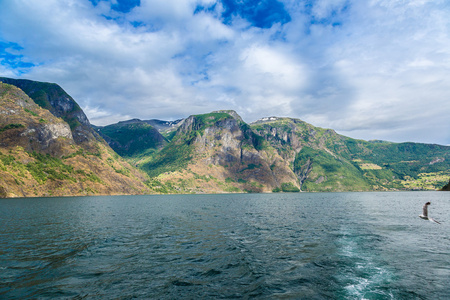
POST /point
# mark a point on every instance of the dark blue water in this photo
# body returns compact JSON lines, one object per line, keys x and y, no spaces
{"x":289,"y":246}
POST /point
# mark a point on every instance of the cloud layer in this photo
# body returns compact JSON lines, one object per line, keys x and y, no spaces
{"x":375,"y":69}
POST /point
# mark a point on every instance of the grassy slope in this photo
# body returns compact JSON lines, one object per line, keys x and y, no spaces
{"x":402,"y":165}
{"x":329,"y":173}
{"x":133,"y":139}
{"x":25,"y":174}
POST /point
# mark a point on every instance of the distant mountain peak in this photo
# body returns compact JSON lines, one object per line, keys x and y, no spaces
{"x":135,"y":120}
{"x":231,"y":112}
{"x":266,"y":119}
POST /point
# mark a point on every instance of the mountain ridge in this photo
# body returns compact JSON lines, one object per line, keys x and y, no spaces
{"x":215,"y":152}
{"x":52,"y":97}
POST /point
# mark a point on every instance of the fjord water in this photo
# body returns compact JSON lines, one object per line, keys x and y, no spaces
{"x":299,"y":246}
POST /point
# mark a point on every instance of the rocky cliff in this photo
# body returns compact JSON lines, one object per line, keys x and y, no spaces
{"x":39,"y":155}
{"x":314,"y":154}
{"x":25,"y":124}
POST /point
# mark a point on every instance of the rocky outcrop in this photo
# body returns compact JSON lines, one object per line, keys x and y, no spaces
{"x":304,"y":171}
{"x":306,"y":148}
{"x":45,"y":134}
{"x":53,"y":98}
{"x":27,"y":125}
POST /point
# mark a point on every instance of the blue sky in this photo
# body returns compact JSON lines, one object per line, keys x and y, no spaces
{"x":374,"y":69}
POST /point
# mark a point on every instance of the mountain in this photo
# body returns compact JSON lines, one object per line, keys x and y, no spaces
{"x":311,"y":151}
{"x":218,"y":152}
{"x":52,"y":97}
{"x":41,"y":154}
{"x":160,"y":125}
{"x":133,"y":137}
{"x":164,"y":126}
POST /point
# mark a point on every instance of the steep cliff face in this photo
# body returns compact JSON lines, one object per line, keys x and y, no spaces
{"x":291,"y":135}
{"x":52,"y":97}
{"x":39,"y":156}
{"x":223,"y":154}
{"x":25,"y":124}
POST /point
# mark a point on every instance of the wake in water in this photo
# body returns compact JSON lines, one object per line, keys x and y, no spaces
{"x":362,"y":275}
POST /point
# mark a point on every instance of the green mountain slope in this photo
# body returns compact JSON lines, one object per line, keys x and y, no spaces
{"x":311,"y":153}
{"x":133,"y":138}
{"x":322,"y":171}
{"x":219,"y":152}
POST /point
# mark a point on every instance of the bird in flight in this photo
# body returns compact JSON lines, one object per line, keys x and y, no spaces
{"x":424,"y":215}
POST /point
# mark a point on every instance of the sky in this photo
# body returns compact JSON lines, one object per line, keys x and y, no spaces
{"x":369,"y":69}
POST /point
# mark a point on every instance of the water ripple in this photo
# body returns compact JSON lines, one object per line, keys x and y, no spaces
{"x":294,"y":246}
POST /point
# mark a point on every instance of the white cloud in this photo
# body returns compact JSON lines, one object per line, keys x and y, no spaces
{"x":371,"y":69}
{"x":390,"y":60}
{"x":323,"y":9}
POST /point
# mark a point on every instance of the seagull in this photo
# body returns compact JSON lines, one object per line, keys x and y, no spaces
{"x":424,"y":215}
